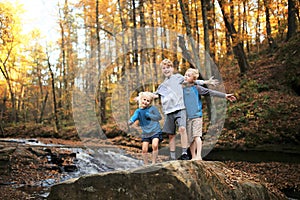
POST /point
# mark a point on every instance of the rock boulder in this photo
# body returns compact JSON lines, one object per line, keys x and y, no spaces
{"x":169,"y":180}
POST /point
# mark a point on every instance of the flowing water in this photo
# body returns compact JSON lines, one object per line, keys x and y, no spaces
{"x":87,"y":161}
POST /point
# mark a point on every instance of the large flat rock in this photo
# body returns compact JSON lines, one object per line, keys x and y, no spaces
{"x":169,"y":180}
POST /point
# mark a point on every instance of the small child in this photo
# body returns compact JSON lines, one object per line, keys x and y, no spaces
{"x":171,"y":95}
{"x":193,"y":104}
{"x":148,"y":117}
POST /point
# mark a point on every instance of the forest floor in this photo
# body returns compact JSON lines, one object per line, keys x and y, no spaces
{"x":265,"y":117}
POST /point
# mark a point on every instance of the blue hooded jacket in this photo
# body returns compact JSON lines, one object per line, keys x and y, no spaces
{"x":192,"y":99}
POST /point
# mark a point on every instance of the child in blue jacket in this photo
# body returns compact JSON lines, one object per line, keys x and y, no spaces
{"x":148,"y":117}
{"x":193,"y":104}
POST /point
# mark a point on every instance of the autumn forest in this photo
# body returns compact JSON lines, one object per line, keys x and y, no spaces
{"x":109,"y":51}
{"x":84,"y":80}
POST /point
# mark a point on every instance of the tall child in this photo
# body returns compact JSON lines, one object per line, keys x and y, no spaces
{"x":192,"y":101}
{"x":171,"y":95}
{"x":148,"y":117}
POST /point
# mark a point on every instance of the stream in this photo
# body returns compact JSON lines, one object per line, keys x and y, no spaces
{"x":85,"y":161}
{"x":105,"y":159}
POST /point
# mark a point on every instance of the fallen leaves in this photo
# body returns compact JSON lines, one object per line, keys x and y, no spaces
{"x":281,"y":175}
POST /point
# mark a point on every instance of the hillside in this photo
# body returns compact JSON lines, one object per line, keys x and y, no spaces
{"x":268,"y":106}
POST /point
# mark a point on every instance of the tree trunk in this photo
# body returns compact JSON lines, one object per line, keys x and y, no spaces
{"x":227,"y":34}
{"x":208,"y":67}
{"x":207,"y":42}
{"x":196,"y":21}
{"x":4,"y":70}
{"x":135,"y":45}
{"x":211,"y":18}
{"x":3,"y":109}
{"x":143,"y":53}
{"x":124,"y":62}
{"x":56,"y":127}
{"x":245,"y":31}
{"x":101,"y":108}
{"x":194,"y":56}
{"x":271,"y":41}
{"x":292,"y":25}
{"x":237,"y":45}
{"x":63,"y":82}
{"x":257,"y":27}
{"x":43,"y":107}
{"x":153,"y":54}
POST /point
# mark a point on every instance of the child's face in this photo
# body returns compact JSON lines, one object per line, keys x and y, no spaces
{"x":189,"y":77}
{"x":167,"y":70}
{"x":145,"y":102}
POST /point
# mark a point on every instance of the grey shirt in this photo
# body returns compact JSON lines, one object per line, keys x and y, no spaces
{"x":171,"y":94}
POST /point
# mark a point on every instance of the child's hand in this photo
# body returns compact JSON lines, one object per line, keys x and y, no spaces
{"x":212,"y":81}
{"x":230,"y":97}
{"x":130,"y":123}
{"x":155,"y":96}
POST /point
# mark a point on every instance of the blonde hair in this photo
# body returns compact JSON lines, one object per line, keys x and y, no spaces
{"x":166,"y":62}
{"x":195,"y":72}
{"x":149,"y":95}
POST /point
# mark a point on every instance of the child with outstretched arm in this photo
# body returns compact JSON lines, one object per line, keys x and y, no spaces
{"x":148,"y":117}
{"x":193,"y":104}
{"x":171,"y":96}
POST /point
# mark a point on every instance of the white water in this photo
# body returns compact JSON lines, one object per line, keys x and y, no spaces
{"x":87,"y":161}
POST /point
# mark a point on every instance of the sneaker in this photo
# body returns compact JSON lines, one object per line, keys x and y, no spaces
{"x":184,"y":156}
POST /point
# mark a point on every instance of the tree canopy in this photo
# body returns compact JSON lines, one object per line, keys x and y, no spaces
{"x":110,"y":50}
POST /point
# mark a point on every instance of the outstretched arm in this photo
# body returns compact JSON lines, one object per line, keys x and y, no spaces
{"x":230,"y":97}
{"x":205,"y":91}
{"x":134,"y":117}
